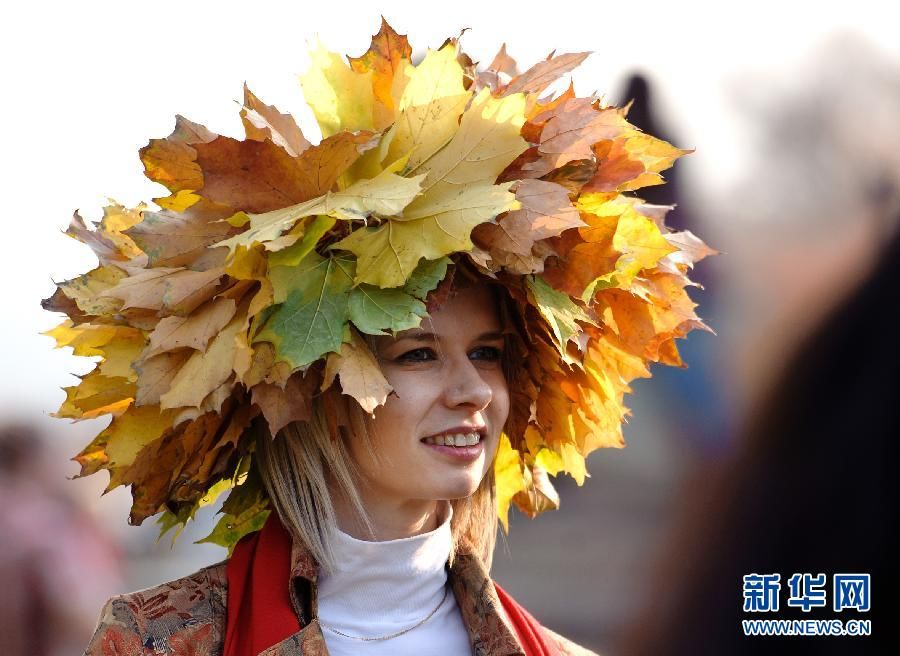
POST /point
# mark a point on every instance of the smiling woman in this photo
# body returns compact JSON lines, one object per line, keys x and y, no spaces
{"x":376,"y":345}
{"x":406,"y":490}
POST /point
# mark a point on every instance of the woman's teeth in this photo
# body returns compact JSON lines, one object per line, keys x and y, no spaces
{"x":458,"y":439}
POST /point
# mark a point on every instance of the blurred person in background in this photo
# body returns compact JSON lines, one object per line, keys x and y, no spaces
{"x":56,"y":564}
{"x":808,"y":490}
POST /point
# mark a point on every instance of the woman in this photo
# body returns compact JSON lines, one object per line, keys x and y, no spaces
{"x":387,"y":508}
{"x":432,"y":310}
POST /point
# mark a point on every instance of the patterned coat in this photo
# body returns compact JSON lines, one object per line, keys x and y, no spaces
{"x":186,"y":617}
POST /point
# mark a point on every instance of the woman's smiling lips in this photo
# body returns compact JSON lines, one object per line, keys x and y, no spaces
{"x":460,"y":442}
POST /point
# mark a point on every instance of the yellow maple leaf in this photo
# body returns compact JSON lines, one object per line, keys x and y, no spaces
{"x":430,"y":106}
{"x":386,"y":194}
{"x":340,"y":98}
{"x":509,"y":477}
{"x":97,"y":395}
{"x":486,"y":142}
{"x":130,"y":432}
{"x":389,"y":253}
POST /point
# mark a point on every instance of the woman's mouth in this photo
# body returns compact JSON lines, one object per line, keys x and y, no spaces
{"x":461,"y":447}
{"x":454,"y":439}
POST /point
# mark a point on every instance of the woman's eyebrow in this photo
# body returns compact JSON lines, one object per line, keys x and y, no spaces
{"x":430,"y":337}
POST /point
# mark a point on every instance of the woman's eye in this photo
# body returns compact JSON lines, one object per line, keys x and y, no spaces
{"x":417,"y":355}
{"x":487,"y":353}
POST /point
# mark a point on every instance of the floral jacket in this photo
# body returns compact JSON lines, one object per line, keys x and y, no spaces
{"x":186,"y":617}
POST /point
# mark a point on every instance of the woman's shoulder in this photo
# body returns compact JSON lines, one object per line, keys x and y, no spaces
{"x":166,"y":618}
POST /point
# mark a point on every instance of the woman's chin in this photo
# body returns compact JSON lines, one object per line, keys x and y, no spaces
{"x":458,"y":489}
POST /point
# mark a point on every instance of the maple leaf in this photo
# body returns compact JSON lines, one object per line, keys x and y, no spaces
{"x":386,"y":55}
{"x":546,"y":212}
{"x":177,"y":238}
{"x":426,"y":277}
{"x":585,"y":256}
{"x":571,"y":130}
{"x":509,"y":477}
{"x":559,"y":311}
{"x":502,"y":64}
{"x":644,"y":325}
{"x":262,"y":121}
{"x":177,"y":290}
{"x":244,"y":511}
{"x":85,"y":290}
{"x":429,"y":108}
{"x":388,"y":254}
{"x":632,"y":162}
{"x":341,"y":98}
{"x":109,"y":244}
{"x":205,"y":370}
{"x":374,"y":310}
{"x":455,"y":195}
{"x":311,"y":320}
{"x":172,"y":161}
{"x":281,"y":406}
{"x":384,"y":195}
{"x":97,"y":395}
{"x":691,"y":249}
{"x":130,"y":432}
{"x":359,"y":374}
{"x":193,"y":331}
{"x":637,"y":239}
{"x":486,"y":142}
{"x":120,"y":355}
{"x":156,"y":375}
{"x":253,"y":176}
{"x":539,"y":495}
{"x":87,"y":339}
{"x":543,"y":74}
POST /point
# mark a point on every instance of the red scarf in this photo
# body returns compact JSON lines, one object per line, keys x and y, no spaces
{"x":259,"y":611}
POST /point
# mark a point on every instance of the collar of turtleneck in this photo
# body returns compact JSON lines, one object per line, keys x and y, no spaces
{"x":400,"y":581}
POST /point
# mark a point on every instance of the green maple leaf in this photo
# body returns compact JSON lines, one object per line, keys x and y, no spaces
{"x":311,"y":320}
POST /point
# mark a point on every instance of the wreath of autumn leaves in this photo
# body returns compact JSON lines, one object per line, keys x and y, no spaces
{"x":249,"y":290}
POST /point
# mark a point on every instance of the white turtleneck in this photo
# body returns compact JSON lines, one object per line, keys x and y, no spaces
{"x":380,"y":588}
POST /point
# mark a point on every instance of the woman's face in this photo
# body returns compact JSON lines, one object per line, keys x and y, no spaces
{"x":449,"y":388}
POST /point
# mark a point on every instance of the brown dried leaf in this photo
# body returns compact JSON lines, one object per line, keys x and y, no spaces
{"x":179,"y":238}
{"x":359,"y":372}
{"x":204,"y":372}
{"x":543,"y":74}
{"x":258,"y":176}
{"x":571,"y":130}
{"x":172,"y":161}
{"x":86,"y":291}
{"x":546,"y":212}
{"x":192,"y":331}
{"x":177,"y":290}
{"x":262,"y":121}
{"x":280,"y":406}
{"x":156,"y":375}
{"x":104,"y":247}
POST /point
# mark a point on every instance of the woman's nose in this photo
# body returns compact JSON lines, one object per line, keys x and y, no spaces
{"x":465,"y":385}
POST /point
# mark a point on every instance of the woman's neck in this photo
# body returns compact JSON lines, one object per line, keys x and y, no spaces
{"x":390,"y":519}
